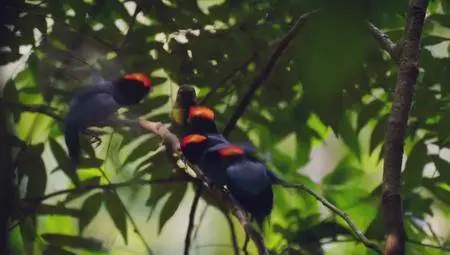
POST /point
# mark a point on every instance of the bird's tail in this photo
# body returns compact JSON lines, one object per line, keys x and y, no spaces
{"x":71,"y":136}
{"x":262,"y":207}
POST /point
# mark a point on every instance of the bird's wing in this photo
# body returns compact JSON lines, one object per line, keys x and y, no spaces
{"x":92,"y":108}
{"x":248,"y":176}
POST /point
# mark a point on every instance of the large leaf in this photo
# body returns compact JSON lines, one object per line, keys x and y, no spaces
{"x":89,"y":209}
{"x":414,"y":166}
{"x":116,"y":210}
{"x":171,"y":206}
{"x":63,"y":160}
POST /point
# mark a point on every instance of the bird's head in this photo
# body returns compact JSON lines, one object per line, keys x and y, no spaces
{"x":192,"y":146}
{"x":132,"y":88}
{"x":202,"y":118}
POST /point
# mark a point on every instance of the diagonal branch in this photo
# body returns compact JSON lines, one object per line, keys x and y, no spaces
{"x":266,"y":72}
{"x":386,"y":43}
{"x":357,"y":232}
{"x":396,"y":129}
{"x":439,"y":247}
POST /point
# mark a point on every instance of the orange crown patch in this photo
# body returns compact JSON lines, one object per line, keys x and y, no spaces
{"x":201,"y":112}
{"x":140,"y":77}
{"x":194,"y":138}
{"x":231,"y":151}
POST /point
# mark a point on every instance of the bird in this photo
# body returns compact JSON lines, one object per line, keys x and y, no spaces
{"x":201,"y":120}
{"x":193,"y":146}
{"x":96,"y":104}
{"x":248,"y":179}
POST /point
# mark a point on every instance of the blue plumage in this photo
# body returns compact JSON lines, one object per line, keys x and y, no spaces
{"x":94,"y":105}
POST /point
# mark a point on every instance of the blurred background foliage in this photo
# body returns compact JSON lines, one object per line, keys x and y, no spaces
{"x":319,"y":117}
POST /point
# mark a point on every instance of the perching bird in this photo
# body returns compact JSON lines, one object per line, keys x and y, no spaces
{"x":248,"y":180}
{"x":201,"y":120}
{"x":96,"y":104}
{"x":193,"y":146}
{"x":201,"y":134}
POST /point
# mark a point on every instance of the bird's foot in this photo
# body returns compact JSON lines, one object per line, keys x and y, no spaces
{"x":93,"y":137}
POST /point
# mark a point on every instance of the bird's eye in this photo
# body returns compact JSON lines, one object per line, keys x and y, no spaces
{"x":201,"y":112}
{"x":192,"y":139}
{"x":232,"y":150}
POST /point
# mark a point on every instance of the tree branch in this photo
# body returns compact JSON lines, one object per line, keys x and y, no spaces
{"x":396,"y":129}
{"x":36,"y":108}
{"x":265,"y":73}
{"x":7,"y":189}
{"x":107,"y":187}
{"x":187,"y":240}
{"x":358,"y":233}
{"x":386,"y":43}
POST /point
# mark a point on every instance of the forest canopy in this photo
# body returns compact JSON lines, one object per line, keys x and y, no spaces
{"x":345,"y":100}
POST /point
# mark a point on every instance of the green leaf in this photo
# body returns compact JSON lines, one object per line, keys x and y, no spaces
{"x":89,"y":209}
{"x":157,"y":80}
{"x":171,"y":206}
{"x":56,"y":250}
{"x":89,"y":244}
{"x":144,"y":148}
{"x":415,"y":163}
{"x":349,"y":136}
{"x":63,"y":160}
{"x":440,"y":18}
{"x":442,"y":167}
{"x":150,"y":104}
{"x":368,"y":112}
{"x":343,"y":172}
{"x":378,"y":133}
{"x":438,"y":191}
{"x":116,"y":210}
{"x":33,"y":167}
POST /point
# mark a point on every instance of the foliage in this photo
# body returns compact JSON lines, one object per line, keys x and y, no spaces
{"x":333,"y":79}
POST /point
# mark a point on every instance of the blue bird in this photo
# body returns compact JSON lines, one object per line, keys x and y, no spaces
{"x":96,"y":104}
{"x":248,"y":179}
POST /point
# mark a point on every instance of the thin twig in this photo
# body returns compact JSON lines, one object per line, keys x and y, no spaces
{"x":232,"y":233}
{"x":187,"y":240}
{"x":265,"y":73}
{"x":200,"y":220}
{"x":358,"y":233}
{"x":443,"y":248}
{"x":392,"y":203}
{"x":386,"y":43}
